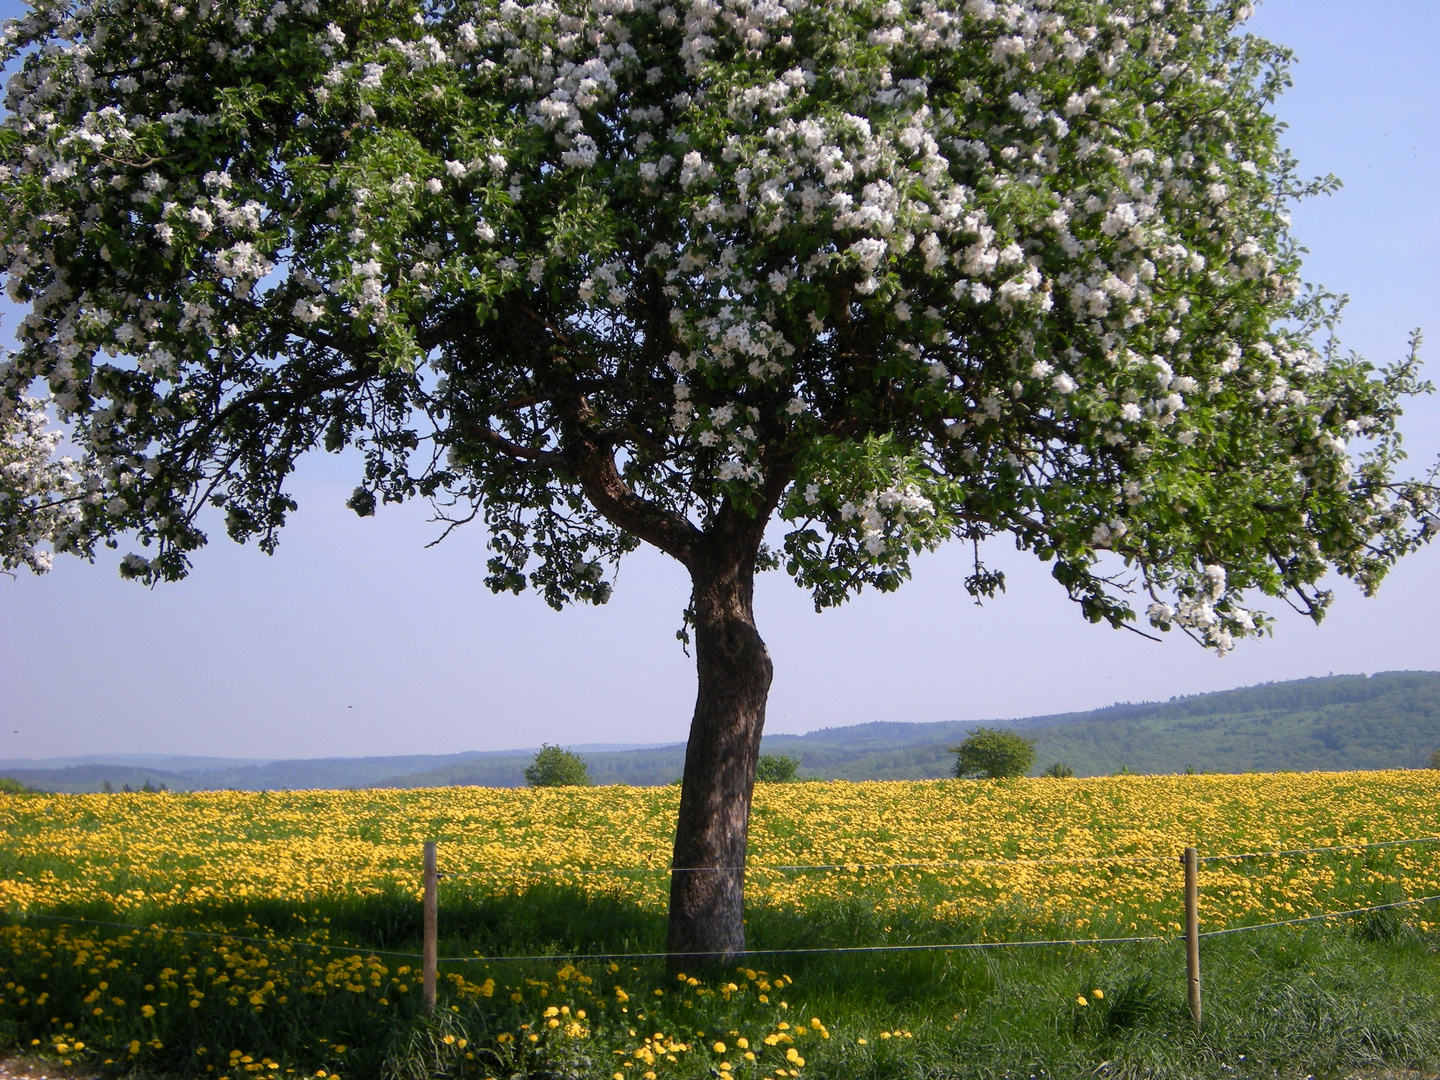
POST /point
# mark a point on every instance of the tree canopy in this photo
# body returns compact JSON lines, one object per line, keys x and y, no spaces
{"x":604,"y":272}
{"x":776,"y":768}
{"x":994,"y":753}
{"x":555,"y":766}
{"x":613,"y":270}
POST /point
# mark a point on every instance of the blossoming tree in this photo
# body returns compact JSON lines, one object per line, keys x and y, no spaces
{"x":758,"y":282}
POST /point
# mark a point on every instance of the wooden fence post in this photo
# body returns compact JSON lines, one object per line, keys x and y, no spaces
{"x":431,"y":904}
{"x":1191,"y":859}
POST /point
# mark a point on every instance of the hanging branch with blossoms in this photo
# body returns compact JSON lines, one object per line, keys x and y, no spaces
{"x":40,"y":494}
{"x":605,"y":272}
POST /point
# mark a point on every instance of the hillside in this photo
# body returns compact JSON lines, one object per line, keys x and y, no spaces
{"x":1342,"y":722}
{"x":215,"y":775}
{"x":1388,"y":720}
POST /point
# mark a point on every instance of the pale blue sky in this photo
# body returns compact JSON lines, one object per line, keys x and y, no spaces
{"x":355,"y":639}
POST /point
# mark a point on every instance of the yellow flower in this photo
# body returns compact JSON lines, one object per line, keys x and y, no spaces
{"x":147,"y":1011}
{"x":719,"y":1047}
{"x":1097,"y":993}
{"x":1082,"y":1000}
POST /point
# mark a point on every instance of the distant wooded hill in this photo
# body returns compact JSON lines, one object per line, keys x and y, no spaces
{"x":1385,"y":721}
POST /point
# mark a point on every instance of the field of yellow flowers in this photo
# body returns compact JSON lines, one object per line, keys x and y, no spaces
{"x":1050,"y":852}
{"x":233,"y":934}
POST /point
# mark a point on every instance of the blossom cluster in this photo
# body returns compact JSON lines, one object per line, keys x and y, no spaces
{"x":1037,"y":249}
{"x":1206,"y":609}
{"x":39,"y":493}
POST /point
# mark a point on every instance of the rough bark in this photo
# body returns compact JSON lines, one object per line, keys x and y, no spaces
{"x":707,"y":885}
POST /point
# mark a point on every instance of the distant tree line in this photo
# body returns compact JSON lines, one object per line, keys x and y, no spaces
{"x":146,"y":788}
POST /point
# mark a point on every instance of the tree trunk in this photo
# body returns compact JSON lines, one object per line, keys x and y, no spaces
{"x":707,"y":885}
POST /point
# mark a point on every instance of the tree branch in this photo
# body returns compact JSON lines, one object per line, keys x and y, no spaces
{"x":494,"y":439}
{"x":609,"y":493}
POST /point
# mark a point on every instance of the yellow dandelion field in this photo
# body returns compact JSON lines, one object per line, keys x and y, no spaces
{"x":925,"y":862}
{"x":1080,"y":855}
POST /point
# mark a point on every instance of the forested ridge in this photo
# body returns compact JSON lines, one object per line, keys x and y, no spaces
{"x":1343,"y":722}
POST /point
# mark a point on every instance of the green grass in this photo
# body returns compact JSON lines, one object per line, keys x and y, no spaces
{"x":1327,"y":999}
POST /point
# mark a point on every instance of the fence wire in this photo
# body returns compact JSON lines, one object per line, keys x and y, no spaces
{"x":216,"y":935}
{"x":924,"y":864}
{"x":1319,"y":850}
{"x":326,"y":947}
{"x":920,"y":864}
{"x":1321,"y":918}
{"x":955,"y":946}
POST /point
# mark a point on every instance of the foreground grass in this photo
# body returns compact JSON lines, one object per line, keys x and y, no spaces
{"x":1326,"y":1000}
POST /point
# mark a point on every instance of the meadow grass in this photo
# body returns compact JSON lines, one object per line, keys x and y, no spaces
{"x":301,"y":966}
{"x":1327,"y":999}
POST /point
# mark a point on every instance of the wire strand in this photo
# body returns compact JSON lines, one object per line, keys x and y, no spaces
{"x":557,"y":871}
{"x":951,"y":947}
{"x":817,"y":950}
{"x":1320,"y":918}
{"x":805,"y":951}
{"x":1315,"y":850}
{"x":216,"y":935}
{"x":1077,"y":860}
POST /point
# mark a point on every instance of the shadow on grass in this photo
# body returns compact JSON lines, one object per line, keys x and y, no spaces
{"x":562,"y":921}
